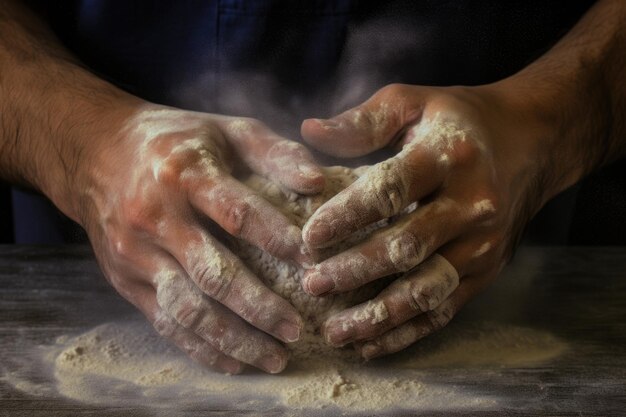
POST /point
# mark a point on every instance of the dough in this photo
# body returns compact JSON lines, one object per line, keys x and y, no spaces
{"x":284,"y":278}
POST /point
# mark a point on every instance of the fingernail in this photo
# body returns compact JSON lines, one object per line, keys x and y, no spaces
{"x":272,"y":364}
{"x":318,"y":233}
{"x":288,"y":331}
{"x":309,"y":171}
{"x":229,"y":365}
{"x":303,"y":257}
{"x":328,"y":123}
{"x":370,"y":350}
{"x":316,"y":284}
{"x":338,"y":334}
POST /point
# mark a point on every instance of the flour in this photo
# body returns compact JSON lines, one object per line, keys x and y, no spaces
{"x":441,"y":133}
{"x":438,"y":279}
{"x":484,"y":345}
{"x":483,"y":207}
{"x":406,"y":250}
{"x":374,"y":312}
{"x":484,"y":248}
{"x":239,"y":127}
{"x":285,"y":278}
{"x":128,"y":364}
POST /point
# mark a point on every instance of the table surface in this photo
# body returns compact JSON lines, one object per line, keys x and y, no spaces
{"x":577,"y":294}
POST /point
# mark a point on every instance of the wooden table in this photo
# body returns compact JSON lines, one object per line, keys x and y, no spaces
{"x":577,"y":294}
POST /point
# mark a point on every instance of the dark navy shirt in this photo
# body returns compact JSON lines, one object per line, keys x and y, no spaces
{"x":282,"y":61}
{"x":194,"y":53}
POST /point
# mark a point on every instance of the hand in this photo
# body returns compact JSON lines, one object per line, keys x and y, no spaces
{"x":470,"y":161}
{"x":151,"y":190}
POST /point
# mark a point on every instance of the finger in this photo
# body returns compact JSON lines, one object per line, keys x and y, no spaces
{"x":187,"y":341}
{"x":222,"y":276}
{"x":246,"y":215}
{"x":418,"y":292}
{"x":365,"y":128}
{"x":388,"y":251}
{"x":284,"y":161}
{"x":430,"y":148}
{"x":385,"y":189}
{"x":181,"y":299}
{"x":410,"y":332}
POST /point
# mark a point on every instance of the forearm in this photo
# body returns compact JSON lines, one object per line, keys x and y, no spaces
{"x":51,"y":108}
{"x":576,"y":94}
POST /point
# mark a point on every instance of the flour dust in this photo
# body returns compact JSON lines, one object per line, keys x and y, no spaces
{"x":128,"y":364}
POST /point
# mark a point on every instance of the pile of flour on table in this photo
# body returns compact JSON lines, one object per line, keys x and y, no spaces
{"x":128,"y":364}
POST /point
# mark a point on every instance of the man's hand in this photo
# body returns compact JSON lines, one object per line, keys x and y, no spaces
{"x":465,"y":164}
{"x":148,"y":183}
{"x":147,"y":192}
{"x":479,"y":161}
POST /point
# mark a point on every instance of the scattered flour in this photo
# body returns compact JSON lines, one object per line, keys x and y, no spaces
{"x":128,"y":364}
{"x":484,"y":345}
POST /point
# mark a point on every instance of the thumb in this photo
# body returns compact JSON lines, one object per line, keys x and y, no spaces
{"x":367,"y":127}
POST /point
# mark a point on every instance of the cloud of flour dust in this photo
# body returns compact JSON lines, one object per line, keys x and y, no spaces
{"x":370,"y":59}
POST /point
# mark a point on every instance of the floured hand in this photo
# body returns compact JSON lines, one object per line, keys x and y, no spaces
{"x":468,"y":165}
{"x":152,"y":193}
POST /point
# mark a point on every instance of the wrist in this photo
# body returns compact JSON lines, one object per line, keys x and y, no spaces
{"x":574,"y":97}
{"x":562,"y":123}
{"x":77,"y":127}
{"x":53,"y":112}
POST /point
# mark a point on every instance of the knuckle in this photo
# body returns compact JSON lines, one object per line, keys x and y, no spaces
{"x":136,"y":215}
{"x":391,"y":188}
{"x":244,"y":126}
{"x":399,"y":339}
{"x":238,"y":216}
{"x":274,"y":244}
{"x":168,"y":171}
{"x":466,"y":150}
{"x":217,"y":285}
{"x":189,"y":159}
{"x":230,"y":343}
{"x":285,"y":147}
{"x":204,"y":354}
{"x":441,"y":316}
{"x":406,"y":250}
{"x":486,"y":206}
{"x":421,"y":298}
{"x":179,"y":297}
{"x":357,"y":272}
{"x":142,"y":217}
{"x":165,"y":325}
{"x":282,"y":245}
{"x":432,"y":284}
{"x":391,"y":199}
{"x":255,"y":312}
{"x":391,"y":90}
{"x":187,"y":316}
{"x":430,"y":294}
{"x":491,"y":248}
{"x":192,"y":347}
{"x":255,"y":124}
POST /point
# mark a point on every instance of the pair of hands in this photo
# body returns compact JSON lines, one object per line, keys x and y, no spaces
{"x":151,"y":195}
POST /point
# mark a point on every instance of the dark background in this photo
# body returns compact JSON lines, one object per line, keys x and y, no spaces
{"x":485,"y":33}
